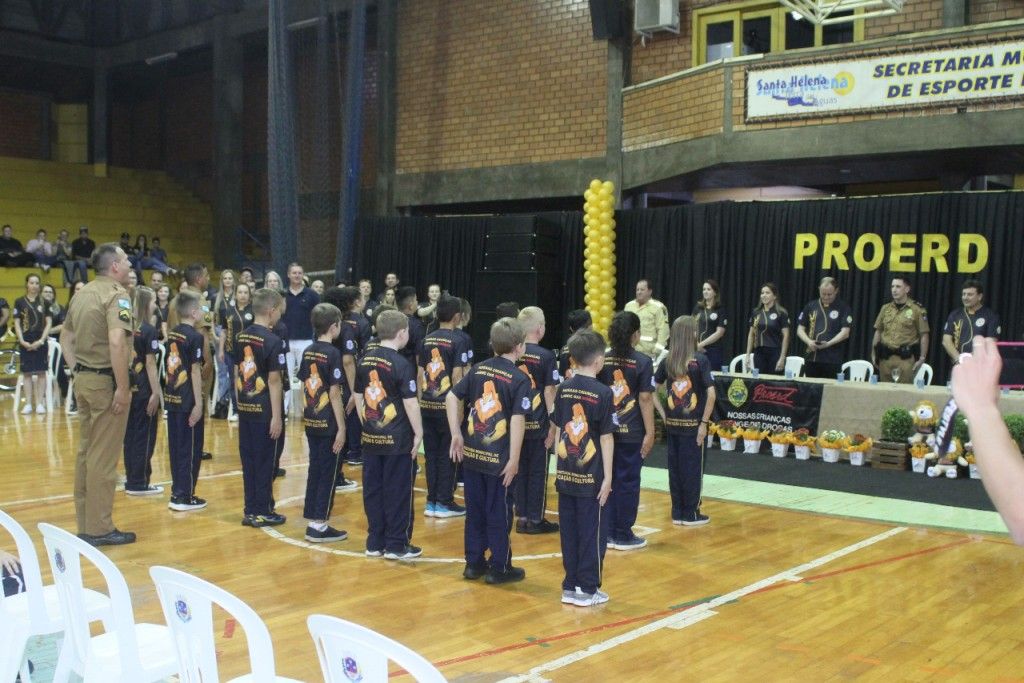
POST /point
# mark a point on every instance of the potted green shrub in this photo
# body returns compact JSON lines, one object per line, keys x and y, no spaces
{"x":1015,"y":425}
{"x":891,"y":450}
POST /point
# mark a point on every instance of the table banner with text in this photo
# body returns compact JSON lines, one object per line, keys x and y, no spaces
{"x":768,"y":404}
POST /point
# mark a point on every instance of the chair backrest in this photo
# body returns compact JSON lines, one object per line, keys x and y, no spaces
{"x":29,"y":569}
{"x":795,"y":365}
{"x":351,"y":652}
{"x":738,"y":364}
{"x":65,"y":552}
{"x":54,"y":357}
{"x":187,"y":602}
{"x":859,"y":370}
{"x":924,"y":373}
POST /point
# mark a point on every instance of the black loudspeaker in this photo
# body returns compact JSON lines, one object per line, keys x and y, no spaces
{"x":527,"y":288}
{"x":606,"y":19}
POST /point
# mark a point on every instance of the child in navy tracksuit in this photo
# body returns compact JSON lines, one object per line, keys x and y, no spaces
{"x":488,"y":444}
{"x":392,"y":432}
{"x":259,"y":383}
{"x":690,"y":399}
{"x":582,"y":424}
{"x":183,"y":397}
{"x":140,"y":434}
{"x":323,"y":418}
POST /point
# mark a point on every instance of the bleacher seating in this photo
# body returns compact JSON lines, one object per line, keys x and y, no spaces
{"x":52,"y":195}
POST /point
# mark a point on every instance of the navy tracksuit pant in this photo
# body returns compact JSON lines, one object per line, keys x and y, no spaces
{"x":583,"y":528}
{"x":624,"y":500}
{"x":437,"y":441}
{"x":387,"y":500}
{"x":139,"y":443}
{"x":530,"y":486}
{"x":353,"y":448}
{"x":323,"y":468}
{"x":685,"y":473}
{"x":186,"y":450}
{"x":488,"y":520}
{"x":257,"y":452}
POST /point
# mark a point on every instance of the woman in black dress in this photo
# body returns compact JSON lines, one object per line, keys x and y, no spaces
{"x":768,"y":339}
{"x":32,"y":325}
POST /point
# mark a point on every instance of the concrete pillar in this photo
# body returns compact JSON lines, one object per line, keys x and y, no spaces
{"x":100,"y":116}
{"x":228,"y":80}
{"x":954,"y":13}
{"x":616,"y":74}
{"x":387,"y":88}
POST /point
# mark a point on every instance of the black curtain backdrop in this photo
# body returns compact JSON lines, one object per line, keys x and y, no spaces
{"x":742,"y":245}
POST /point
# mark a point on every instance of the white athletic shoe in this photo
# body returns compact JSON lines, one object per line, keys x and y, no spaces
{"x":582,"y":599}
{"x":27,"y":410}
{"x":40,"y":409}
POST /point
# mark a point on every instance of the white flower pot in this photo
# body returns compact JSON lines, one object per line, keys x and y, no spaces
{"x":919,"y":465}
{"x":856,"y":458}
{"x":779,"y":450}
{"x":751,"y":445}
{"x":802,"y":452}
{"x":972,"y":470}
{"x":830,"y":454}
{"x":711,"y":440}
{"x":728,"y":444}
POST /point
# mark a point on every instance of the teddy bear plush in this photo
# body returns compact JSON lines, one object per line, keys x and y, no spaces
{"x":926,"y":419}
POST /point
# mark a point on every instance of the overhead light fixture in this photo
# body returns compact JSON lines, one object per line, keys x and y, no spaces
{"x":160,"y":59}
{"x":305,"y":23}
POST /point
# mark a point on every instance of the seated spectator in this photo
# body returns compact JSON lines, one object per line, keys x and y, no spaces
{"x":75,"y":270}
{"x":159,"y":254}
{"x":82,"y":248}
{"x":42,"y":251}
{"x":141,"y":257}
{"x":12,"y":254}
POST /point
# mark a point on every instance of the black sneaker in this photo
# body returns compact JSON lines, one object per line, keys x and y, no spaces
{"x":354,"y":462}
{"x":408,"y":553}
{"x":541,"y":527}
{"x":346,"y":485}
{"x":183,"y":504}
{"x":521,"y":526}
{"x":207,"y":455}
{"x":278,"y":473}
{"x":474,"y":571}
{"x":510,"y":575}
{"x":326,"y":536}
{"x":115,"y":537}
{"x":696,"y":519}
{"x":148,"y":491}
{"x":257,"y":521}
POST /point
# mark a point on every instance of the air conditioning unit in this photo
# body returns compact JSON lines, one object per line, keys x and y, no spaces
{"x":656,"y":15}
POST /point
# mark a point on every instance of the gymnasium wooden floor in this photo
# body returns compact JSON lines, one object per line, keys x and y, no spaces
{"x":761,"y":592}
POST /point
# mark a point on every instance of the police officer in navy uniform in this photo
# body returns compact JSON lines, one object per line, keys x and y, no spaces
{"x":971,"y":320}
{"x":824,"y":326}
{"x":96,"y":344}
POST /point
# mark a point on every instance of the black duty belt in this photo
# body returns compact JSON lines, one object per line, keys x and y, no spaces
{"x":109,"y":372}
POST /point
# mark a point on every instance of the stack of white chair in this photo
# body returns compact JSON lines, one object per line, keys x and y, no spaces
{"x":350,"y":652}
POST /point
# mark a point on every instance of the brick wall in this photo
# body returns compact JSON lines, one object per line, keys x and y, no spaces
{"x":21,"y":124}
{"x":984,"y":11}
{"x":680,"y":109}
{"x":490,"y":83}
{"x":917,"y":16}
{"x":666,"y":53}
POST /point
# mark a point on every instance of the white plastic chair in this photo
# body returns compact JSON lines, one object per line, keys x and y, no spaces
{"x":795,"y":365}
{"x":860,"y":370}
{"x":36,"y":610}
{"x":925,"y":373}
{"x":351,"y":652}
{"x":188,"y":602}
{"x":738,"y":364}
{"x":127,"y":652}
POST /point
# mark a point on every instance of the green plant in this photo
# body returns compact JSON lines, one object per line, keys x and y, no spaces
{"x":1015,"y":425}
{"x":960,"y":430}
{"x":897,"y":424}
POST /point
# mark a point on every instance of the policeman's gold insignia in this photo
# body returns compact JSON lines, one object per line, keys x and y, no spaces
{"x":124,"y":316}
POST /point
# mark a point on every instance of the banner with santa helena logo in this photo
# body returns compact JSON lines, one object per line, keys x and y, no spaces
{"x":768,"y":404}
{"x":910,"y":79}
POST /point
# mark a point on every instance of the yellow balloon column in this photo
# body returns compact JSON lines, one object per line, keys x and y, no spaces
{"x":599,"y":253}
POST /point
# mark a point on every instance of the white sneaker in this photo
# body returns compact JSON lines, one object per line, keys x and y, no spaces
{"x":233,"y":417}
{"x":27,"y":410}
{"x":582,"y":599}
{"x":570,"y":597}
{"x":40,"y":409}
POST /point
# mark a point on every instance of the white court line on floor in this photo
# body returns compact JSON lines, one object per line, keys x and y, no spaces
{"x":696,"y":613}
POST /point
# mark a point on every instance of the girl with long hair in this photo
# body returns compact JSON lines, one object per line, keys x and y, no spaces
{"x":223,"y":303}
{"x":630,"y":374}
{"x":163,"y":309}
{"x":712,"y":320}
{"x":236,"y":318}
{"x":768,"y":338}
{"x":32,"y":322}
{"x":140,"y":434}
{"x":685,"y":376}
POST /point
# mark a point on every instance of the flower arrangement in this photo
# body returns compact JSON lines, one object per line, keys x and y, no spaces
{"x":832,"y":438}
{"x":751,"y":434}
{"x":781,"y":436}
{"x":858,"y":443}
{"x":920,"y":450}
{"x":803,"y":438}
{"x":726,"y":429}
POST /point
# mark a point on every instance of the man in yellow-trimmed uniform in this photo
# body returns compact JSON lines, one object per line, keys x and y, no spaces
{"x":96,"y":341}
{"x":653,"y":320}
{"x":901,"y":336}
